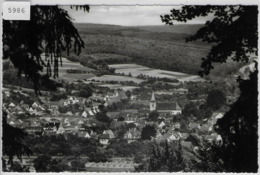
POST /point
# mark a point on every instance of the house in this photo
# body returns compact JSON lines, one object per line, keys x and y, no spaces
{"x":206,"y":128}
{"x":112,"y":115}
{"x":103,"y":139}
{"x":117,"y":124}
{"x":132,"y":135}
{"x":72,"y":128}
{"x":215,"y":116}
{"x":61,"y":129}
{"x":172,"y":108}
{"x":173,"y":137}
{"x":183,"y":135}
{"x":34,"y":105}
{"x":110,"y":133}
{"x":194,"y":125}
{"x":84,"y":114}
{"x":162,"y":138}
{"x":69,"y":113}
{"x":214,"y":137}
{"x":83,"y":134}
{"x":161,"y":125}
{"x":130,"y":118}
{"x":11,"y":105}
{"x":51,"y":126}
{"x":34,"y":129}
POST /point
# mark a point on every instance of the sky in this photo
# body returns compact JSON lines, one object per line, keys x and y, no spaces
{"x":126,"y":15}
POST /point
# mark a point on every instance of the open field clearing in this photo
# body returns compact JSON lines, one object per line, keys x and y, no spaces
{"x":116,"y":78}
{"x":67,"y":65}
{"x":136,"y":70}
{"x":118,"y":86}
{"x":75,"y":77}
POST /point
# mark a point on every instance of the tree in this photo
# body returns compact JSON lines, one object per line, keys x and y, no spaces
{"x":18,"y":168}
{"x":85,"y":93}
{"x":234,"y":32}
{"x":216,"y":99}
{"x":205,"y":111}
{"x":42,"y":163}
{"x":50,"y":31}
{"x":97,"y":157}
{"x":13,"y":139}
{"x":208,"y":158}
{"x":128,"y":94}
{"x":191,"y":109}
{"x":168,"y":158}
{"x":153,"y":116}
{"x":148,"y":132}
{"x":238,"y":129}
{"x":102,"y":117}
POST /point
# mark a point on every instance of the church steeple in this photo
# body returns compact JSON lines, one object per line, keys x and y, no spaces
{"x":153,"y":98}
{"x":152,"y":103}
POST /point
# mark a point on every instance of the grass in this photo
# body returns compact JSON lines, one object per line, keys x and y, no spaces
{"x":78,"y":76}
{"x":116,"y":78}
{"x":136,"y":70}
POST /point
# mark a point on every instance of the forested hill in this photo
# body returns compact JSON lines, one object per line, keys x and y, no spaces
{"x":161,"y":47}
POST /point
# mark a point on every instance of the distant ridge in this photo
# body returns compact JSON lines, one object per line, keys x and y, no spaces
{"x":188,"y":29}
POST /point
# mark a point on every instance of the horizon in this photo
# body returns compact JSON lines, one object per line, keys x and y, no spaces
{"x":128,"y":15}
{"x":157,"y":25}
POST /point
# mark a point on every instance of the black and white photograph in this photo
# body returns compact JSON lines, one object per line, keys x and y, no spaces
{"x":131,"y":88}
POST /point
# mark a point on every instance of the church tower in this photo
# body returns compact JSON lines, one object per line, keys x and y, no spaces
{"x":152,"y":103}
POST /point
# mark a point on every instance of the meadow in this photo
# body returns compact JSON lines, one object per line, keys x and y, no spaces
{"x":136,"y":70}
{"x":116,"y":78}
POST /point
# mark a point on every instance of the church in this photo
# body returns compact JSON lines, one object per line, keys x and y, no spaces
{"x":171,"y":108}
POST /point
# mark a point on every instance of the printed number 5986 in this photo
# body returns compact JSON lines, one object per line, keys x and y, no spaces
{"x":16,"y":10}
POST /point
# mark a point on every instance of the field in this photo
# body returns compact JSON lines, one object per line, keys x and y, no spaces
{"x":118,"y":86}
{"x":75,"y":77}
{"x":136,"y":70}
{"x":70,"y":77}
{"x":116,"y":78}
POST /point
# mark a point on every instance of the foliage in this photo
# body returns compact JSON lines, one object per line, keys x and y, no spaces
{"x":216,"y":99}
{"x":191,"y":110}
{"x":85,"y":93}
{"x":57,"y":97}
{"x":102,"y":117}
{"x":50,"y":31}
{"x":97,"y":157}
{"x":77,"y":165}
{"x":148,"y":132}
{"x":13,"y":141}
{"x":234,"y":34}
{"x":208,"y":158}
{"x":45,"y":163}
{"x":153,"y":116}
{"x":168,"y":158}
{"x":18,"y":97}
{"x":239,"y":127}
{"x":205,"y":111}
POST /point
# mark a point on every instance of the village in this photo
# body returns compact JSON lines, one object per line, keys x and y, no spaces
{"x":111,"y":117}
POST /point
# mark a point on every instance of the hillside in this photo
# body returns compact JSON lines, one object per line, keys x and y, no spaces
{"x":161,"y":47}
